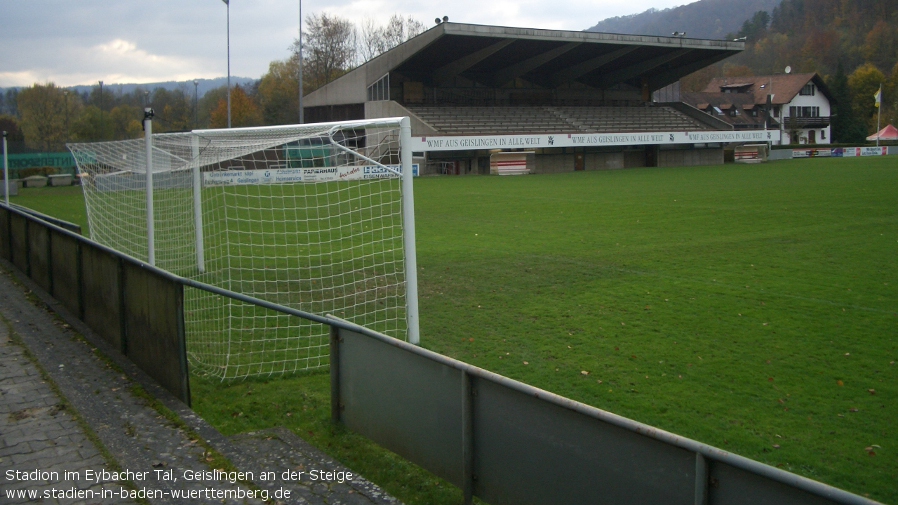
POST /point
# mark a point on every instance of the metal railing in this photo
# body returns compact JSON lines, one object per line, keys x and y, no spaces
{"x":495,"y":438}
{"x":797,"y":122}
{"x":507,"y":442}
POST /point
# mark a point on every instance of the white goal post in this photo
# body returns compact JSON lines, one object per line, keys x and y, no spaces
{"x":317,"y":217}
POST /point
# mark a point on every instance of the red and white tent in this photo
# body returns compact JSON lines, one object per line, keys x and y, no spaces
{"x":887,"y":133}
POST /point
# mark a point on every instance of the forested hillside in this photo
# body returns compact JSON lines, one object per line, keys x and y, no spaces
{"x":852,"y":44}
{"x":705,"y":19}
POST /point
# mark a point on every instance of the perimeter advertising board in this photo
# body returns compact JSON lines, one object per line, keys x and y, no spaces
{"x":239,"y":177}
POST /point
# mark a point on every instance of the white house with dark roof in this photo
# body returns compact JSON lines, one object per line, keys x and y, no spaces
{"x":800,"y":105}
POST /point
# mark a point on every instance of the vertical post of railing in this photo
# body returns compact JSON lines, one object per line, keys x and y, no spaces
{"x":335,"y":374}
{"x":182,"y":349}
{"x":27,"y":245}
{"x":50,"y":261}
{"x":80,"y":274}
{"x":122,"y":312}
{"x":408,"y":229}
{"x":467,"y":436}
{"x":701,"y":480}
{"x":151,"y":233}
{"x":5,"y":171}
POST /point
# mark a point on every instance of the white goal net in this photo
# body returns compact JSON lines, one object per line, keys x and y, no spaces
{"x":316,"y":217}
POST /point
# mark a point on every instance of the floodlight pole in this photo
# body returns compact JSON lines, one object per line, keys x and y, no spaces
{"x":299,"y":50}
{"x":196,"y":111}
{"x":5,"y":171}
{"x":151,"y":233}
{"x":408,"y":235}
{"x":228,"y":3}
{"x":102,"y":119}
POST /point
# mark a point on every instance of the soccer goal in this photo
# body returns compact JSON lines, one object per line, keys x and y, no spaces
{"x":317,"y":217}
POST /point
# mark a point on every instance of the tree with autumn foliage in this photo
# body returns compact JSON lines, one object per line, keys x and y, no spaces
{"x":279,"y":92}
{"x":46,"y":112}
{"x":864,"y":83}
{"x":817,"y":36}
{"x":244,"y":111}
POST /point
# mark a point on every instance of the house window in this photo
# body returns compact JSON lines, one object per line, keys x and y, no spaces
{"x":804,"y":111}
{"x":822,"y":134}
{"x":807,"y":90}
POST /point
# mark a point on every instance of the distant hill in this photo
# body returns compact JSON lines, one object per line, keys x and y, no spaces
{"x":705,"y":19}
{"x":203,"y":86}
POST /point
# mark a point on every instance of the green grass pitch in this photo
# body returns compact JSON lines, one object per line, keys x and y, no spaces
{"x":750,"y":307}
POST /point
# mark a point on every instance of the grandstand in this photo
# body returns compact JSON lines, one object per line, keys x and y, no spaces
{"x":472,"y":86}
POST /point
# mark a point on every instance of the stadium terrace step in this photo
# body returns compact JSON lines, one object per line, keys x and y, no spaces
{"x":535,"y":119}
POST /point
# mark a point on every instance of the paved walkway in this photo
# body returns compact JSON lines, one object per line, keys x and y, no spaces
{"x":72,"y":429}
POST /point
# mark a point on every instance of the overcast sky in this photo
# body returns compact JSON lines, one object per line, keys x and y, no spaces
{"x":71,"y":42}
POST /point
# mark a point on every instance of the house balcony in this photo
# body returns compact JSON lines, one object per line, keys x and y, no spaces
{"x":796,"y":123}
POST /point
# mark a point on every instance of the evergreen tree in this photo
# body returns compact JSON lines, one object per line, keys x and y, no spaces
{"x":845,"y":126}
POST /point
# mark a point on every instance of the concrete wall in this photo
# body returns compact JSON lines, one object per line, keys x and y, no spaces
{"x":690,"y":157}
{"x":557,"y":163}
{"x":390,"y":108}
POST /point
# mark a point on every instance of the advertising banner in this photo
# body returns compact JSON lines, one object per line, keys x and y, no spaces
{"x":535,"y":141}
{"x":295,"y":175}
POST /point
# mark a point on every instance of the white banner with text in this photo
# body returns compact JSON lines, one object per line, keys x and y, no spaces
{"x":236,"y":176}
{"x":536,"y":141}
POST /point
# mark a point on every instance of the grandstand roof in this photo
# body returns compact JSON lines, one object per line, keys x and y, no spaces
{"x":494,"y":56}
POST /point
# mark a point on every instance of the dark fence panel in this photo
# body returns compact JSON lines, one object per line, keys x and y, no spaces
{"x":530,"y":451}
{"x":18,"y":241}
{"x":406,"y":402}
{"x":4,"y":233}
{"x":138,"y":309}
{"x":510,"y":443}
{"x":65,"y":268}
{"x":735,"y":486}
{"x":102,"y":294}
{"x":154,"y":323}
{"x":39,"y":256}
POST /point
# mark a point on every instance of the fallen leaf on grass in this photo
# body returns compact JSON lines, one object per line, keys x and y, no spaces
{"x":584,"y":372}
{"x":840,"y":383}
{"x":872,"y":391}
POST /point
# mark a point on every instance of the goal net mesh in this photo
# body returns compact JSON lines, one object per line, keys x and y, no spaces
{"x":306,"y":216}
